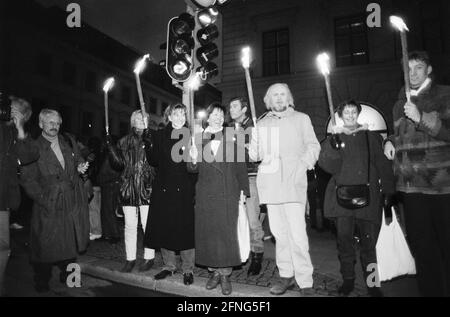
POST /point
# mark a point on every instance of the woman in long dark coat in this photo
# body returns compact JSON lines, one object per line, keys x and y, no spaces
{"x":222,"y":183}
{"x":349,"y":166}
{"x":171,"y":225}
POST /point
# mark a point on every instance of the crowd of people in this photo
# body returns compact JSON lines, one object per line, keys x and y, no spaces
{"x":192,"y":205}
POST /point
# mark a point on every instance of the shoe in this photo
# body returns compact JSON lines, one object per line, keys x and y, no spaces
{"x":347,"y":287}
{"x":16,"y":226}
{"x":226,"y":285}
{"x":147,"y":265}
{"x":163,"y":274}
{"x":188,"y":278}
{"x":283,"y":285}
{"x":128,"y":267}
{"x":375,"y":292}
{"x":255,"y":264}
{"x":213,"y":281}
{"x":93,"y":237}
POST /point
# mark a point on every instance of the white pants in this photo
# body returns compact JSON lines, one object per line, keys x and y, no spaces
{"x":288,"y":225}
{"x":131,"y":226}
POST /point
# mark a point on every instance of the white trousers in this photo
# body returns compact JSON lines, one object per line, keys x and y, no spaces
{"x":288,"y":225}
{"x":131,"y":226}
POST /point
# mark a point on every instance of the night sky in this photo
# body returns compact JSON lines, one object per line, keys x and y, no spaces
{"x":141,"y":24}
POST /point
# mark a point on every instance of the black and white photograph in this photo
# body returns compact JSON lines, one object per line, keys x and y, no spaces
{"x":227,"y":155}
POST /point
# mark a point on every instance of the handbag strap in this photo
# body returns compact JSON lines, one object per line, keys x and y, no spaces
{"x":368,"y":157}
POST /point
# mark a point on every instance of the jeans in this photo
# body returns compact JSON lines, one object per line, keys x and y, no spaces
{"x":131,"y":226}
{"x":253,"y":212}
{"x":4,"y":246}
{"x":427,"y":219}
{"x":187,"y":260}
{"x":346,"y":244}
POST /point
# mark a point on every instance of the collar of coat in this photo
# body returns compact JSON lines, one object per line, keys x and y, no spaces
{"x":279,"y":115}
{"x":347,"y":131}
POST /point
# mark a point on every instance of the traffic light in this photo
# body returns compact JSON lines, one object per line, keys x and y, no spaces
{"x":180,"y":47}
{"x":206,"y":32}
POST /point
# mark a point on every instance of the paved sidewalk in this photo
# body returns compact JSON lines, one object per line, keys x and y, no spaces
{"x":104,"y":260}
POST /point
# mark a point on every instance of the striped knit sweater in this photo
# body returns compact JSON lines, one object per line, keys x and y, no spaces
{"x":422,"y":160}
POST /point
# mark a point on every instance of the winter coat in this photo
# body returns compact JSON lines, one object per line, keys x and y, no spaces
{"x":287,"y":146}
{"x":60,"y":220}
{"x":137,"y":175}
{"x":348,"y":166}
{"x":171,"y":216}
{"x":217,"y":204}
{"x":11,"y":152}
{"x":422,"y":158}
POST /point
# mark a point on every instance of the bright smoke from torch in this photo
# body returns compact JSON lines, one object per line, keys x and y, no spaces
{"x":398,"y":23}
{"x":141,"y":64}
{"x":323,"y":62}
{"x":246,"y":57}
{"x":109,"y":83}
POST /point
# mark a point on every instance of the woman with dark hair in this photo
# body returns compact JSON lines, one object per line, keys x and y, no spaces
{"x":360,"y":162}
{"x":171,"y":225}
{"x":222,"y":185}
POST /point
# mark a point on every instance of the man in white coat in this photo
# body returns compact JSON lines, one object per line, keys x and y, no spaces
{"x":286,"y":144}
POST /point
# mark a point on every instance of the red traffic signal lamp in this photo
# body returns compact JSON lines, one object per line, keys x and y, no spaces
{"x":180,"y":47}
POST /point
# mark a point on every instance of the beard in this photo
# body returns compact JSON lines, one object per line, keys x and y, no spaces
{"x":277,"y":108}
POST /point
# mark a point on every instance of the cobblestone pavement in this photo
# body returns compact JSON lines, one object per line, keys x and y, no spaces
{"x":323,"y":285}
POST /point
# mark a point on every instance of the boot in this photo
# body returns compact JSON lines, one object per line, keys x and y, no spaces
{"x":255,"y":263}
{"x":146,"y":265}
{"x":347,"y":287}
{"x":283,"y":285}
{"x":226,"y":285}
{"x":128,"y":267}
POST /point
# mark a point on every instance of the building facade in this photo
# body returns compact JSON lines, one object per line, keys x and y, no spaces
{"x":286,"y":36}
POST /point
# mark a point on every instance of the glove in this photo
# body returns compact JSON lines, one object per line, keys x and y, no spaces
{"x":335,"y":142}
{"x":389,"y":202}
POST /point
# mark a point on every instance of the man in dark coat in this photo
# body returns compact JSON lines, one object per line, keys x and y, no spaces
{"x":60,"y":220}
{"x":172,"y":211}
{"x":15,"y":147}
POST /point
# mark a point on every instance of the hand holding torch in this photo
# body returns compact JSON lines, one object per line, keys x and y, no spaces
{"x":109,"y":83}
{"x":246,"y":65}
{"x":323,"y":62}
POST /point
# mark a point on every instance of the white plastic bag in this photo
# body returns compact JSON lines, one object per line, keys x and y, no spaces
{"x":243,"y":232}
{"x":393,"y":255}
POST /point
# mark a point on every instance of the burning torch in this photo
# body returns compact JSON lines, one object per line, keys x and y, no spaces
{"x":323,"y":62}
{"x":137,"y":71}
{"x":246,"y":65}
{"x":109,"y":83}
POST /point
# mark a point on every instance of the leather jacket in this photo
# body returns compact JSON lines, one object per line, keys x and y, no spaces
{"x":129,"y":157}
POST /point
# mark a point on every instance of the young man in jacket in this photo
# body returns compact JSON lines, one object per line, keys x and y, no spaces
{"x":420,"y":149}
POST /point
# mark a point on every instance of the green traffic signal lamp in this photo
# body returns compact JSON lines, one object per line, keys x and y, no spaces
{"x":180,"y":47}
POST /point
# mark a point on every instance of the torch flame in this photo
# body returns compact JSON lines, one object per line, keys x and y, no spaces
{"x":246,"y":57}
{"x":141,"y":64}
{"x":109,"y":83}
{"x":398,"y":23}
{"x":323,"y":62}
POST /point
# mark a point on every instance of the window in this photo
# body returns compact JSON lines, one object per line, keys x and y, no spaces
{"x":125,"y":95}
{"x":351,"y":41}
{"x":276,"y":52}
{"x":44,"y":64}
{"x":153,"y":105}
{"x":91,"y":81}
{"x":69,"y":73}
